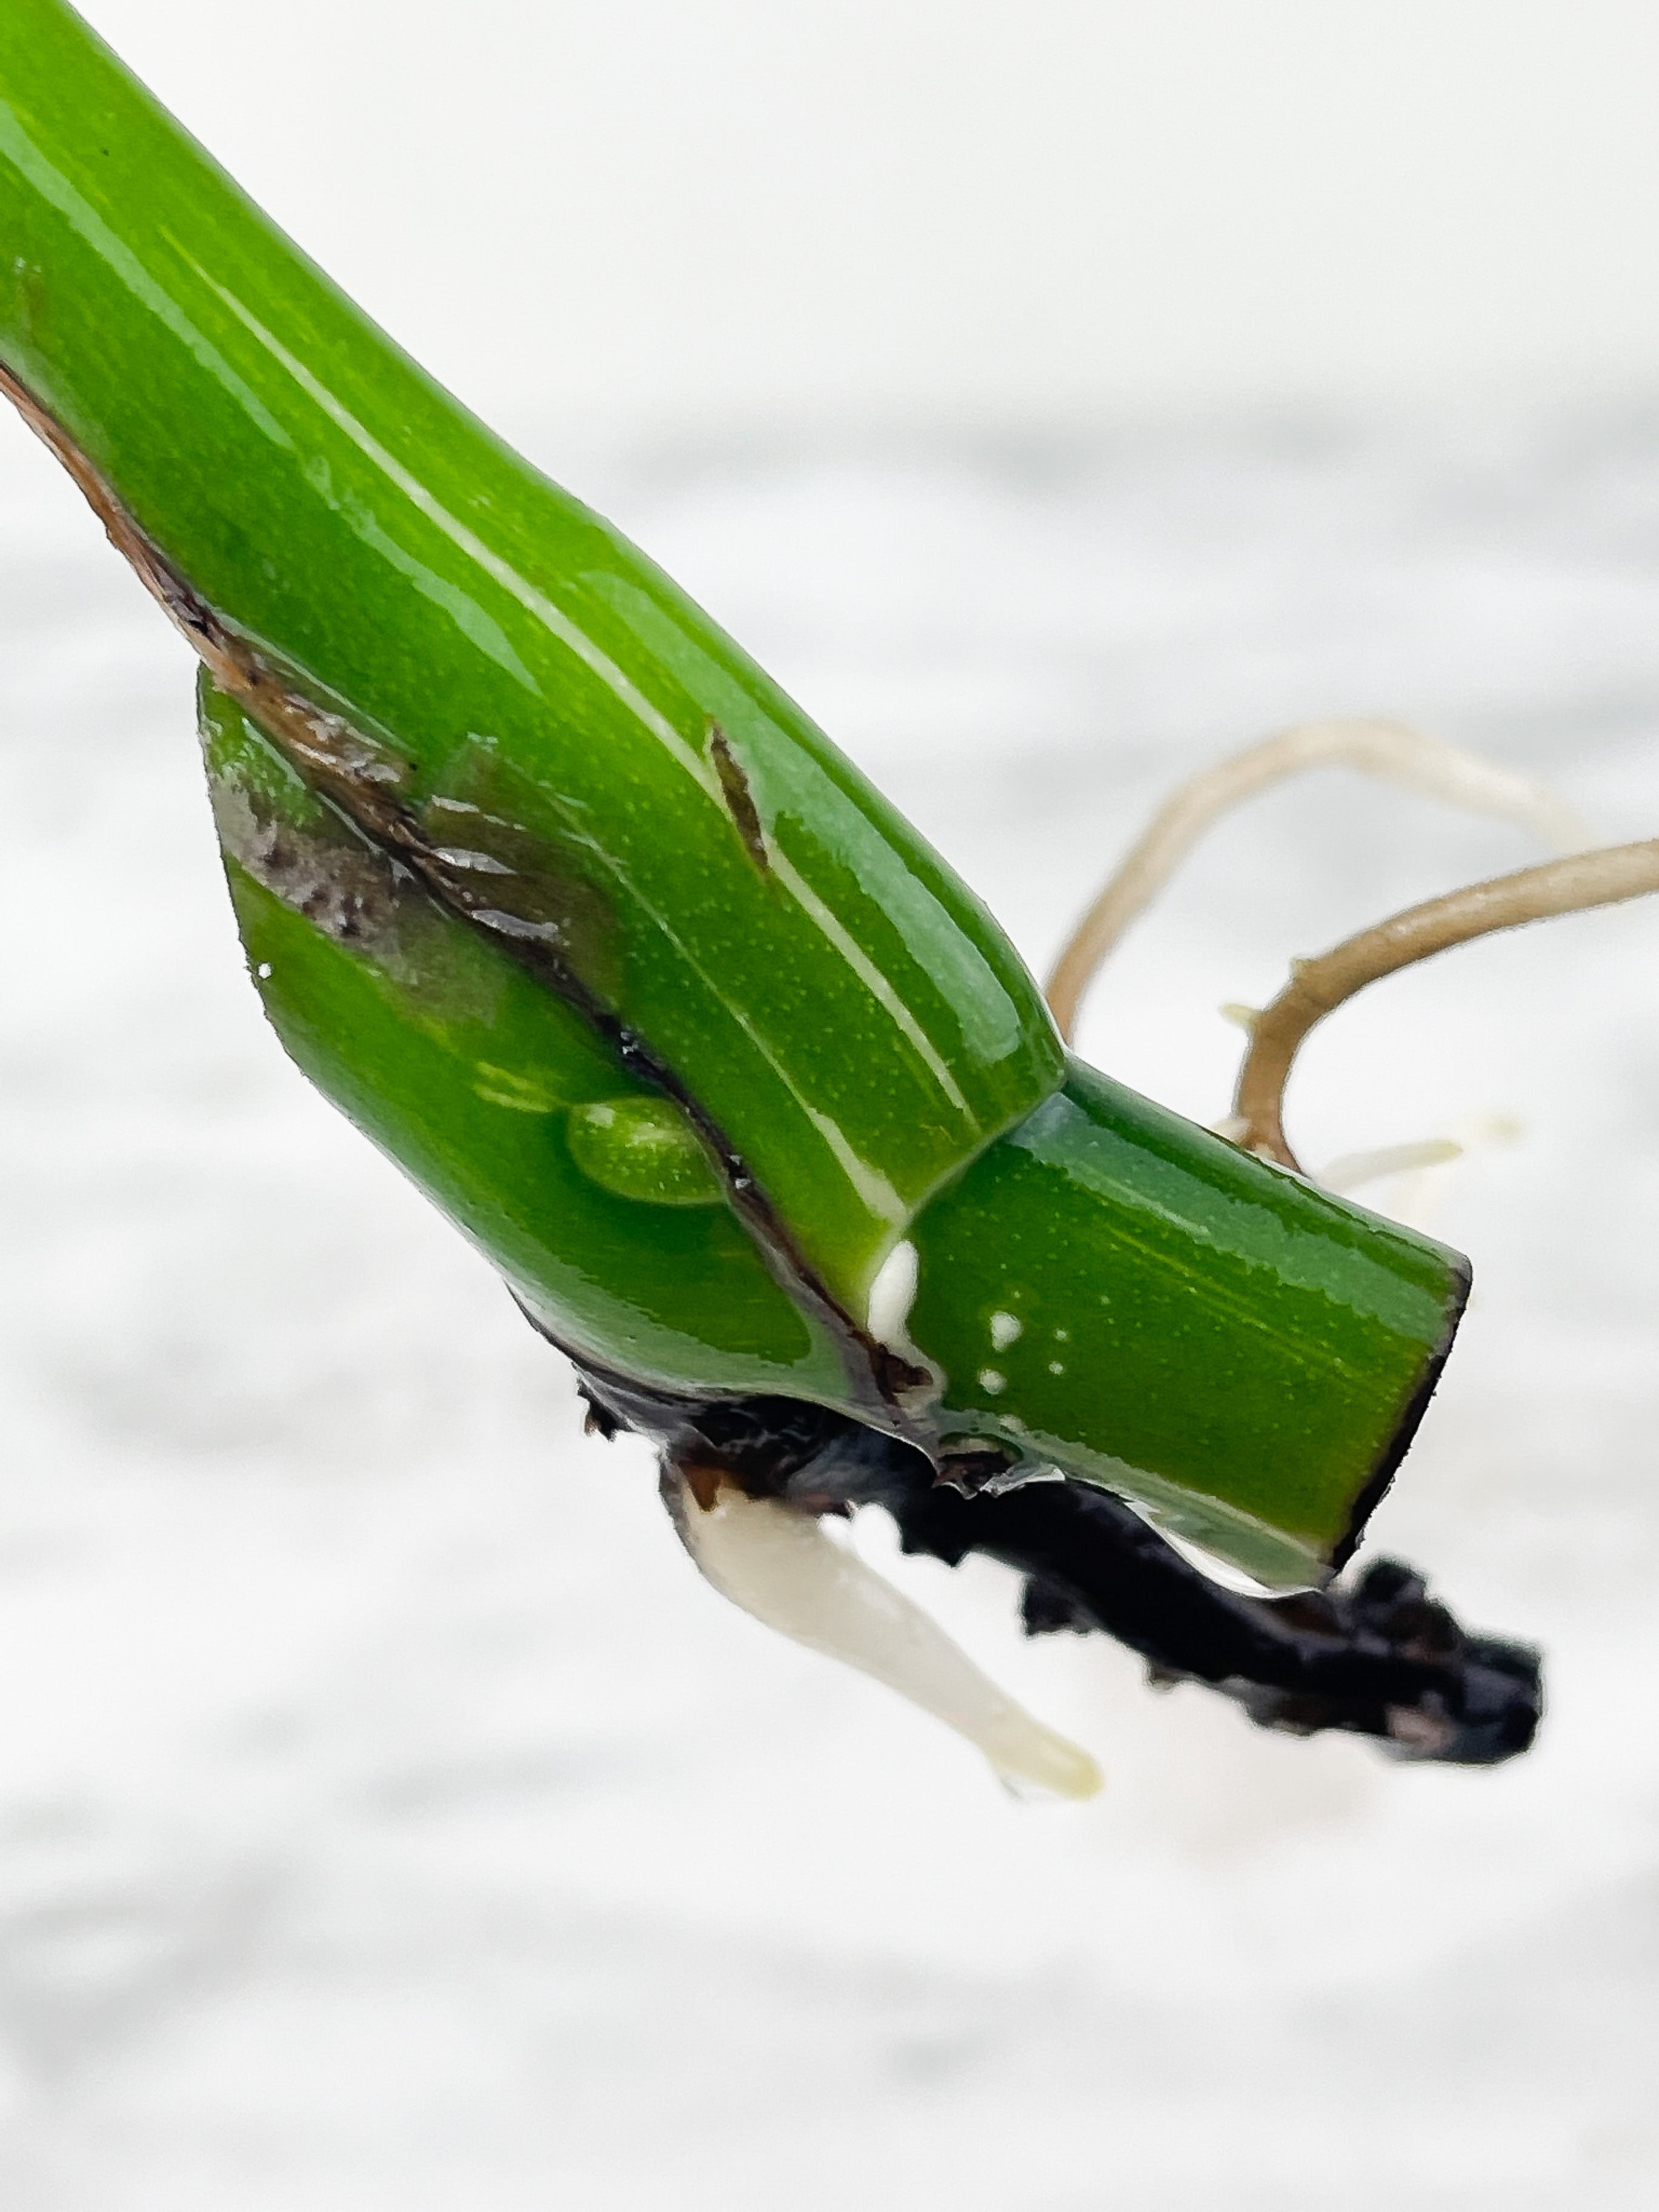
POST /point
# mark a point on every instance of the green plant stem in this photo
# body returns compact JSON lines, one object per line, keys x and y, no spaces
{"x":516,"y":833}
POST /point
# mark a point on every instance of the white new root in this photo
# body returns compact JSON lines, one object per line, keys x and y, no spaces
{"x":1353,"y":1170}
{"x":1419,"y":1175}
{"x":786,"y":1568}
{"x":1389,"y":751}
{"x":782,"y":1564}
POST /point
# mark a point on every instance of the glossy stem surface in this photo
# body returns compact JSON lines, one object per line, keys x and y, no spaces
{"x":567,"y":905}
{"x":1243,"y":1354}
{"x":613,"y":777}
{"x":485,"y":1087}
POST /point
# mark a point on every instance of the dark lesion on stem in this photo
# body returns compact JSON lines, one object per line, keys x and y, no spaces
{"x":366,"y":780}
{"x":1376,"y":1656}
{"x":739,"y":798}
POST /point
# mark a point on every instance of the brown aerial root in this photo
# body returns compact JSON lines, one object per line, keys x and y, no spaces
{"x":1319,"y":986}
{"x":1387,"y":750}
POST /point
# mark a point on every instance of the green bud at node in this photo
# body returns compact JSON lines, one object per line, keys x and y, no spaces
{"x":644,"y":1149}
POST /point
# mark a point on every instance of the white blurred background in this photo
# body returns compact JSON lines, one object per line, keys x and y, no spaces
{"x":1054,"y":397}
{"x":933,"y":212}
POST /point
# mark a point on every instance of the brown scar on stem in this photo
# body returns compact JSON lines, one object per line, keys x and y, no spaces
{"x":350,"y":891}
{"x":739,"y":799}
{"x":368,"y":783}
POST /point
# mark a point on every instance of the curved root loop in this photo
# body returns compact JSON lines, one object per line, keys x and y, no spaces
{"x":1318,"y":986}
{"x":1387,"y":750}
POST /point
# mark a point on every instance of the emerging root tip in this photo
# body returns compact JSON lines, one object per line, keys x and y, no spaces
{"x":892,"y":1294}
{"x":1354,"y":1169}
{"x":784,"y":1567}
